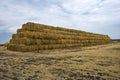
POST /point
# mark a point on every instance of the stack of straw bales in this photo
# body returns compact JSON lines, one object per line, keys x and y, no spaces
{"x":34,"y":37}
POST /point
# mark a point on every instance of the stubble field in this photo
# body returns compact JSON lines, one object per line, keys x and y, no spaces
{"x":88,"y":63}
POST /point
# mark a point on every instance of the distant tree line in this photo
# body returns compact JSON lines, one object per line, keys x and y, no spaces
{"x":115,"y":39}
{"x":1,"y":44}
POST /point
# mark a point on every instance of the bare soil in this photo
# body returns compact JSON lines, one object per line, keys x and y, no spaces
{"x":88,"y":63}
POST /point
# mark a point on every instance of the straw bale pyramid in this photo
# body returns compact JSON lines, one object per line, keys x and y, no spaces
{"x":35,"y":37}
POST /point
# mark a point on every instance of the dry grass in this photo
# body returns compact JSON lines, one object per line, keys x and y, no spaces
{"x":88,"y":63}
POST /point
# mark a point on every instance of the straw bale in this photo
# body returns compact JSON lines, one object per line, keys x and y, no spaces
{"x":34,"y":36}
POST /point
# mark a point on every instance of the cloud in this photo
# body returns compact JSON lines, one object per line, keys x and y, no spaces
{"x":100,"y":16}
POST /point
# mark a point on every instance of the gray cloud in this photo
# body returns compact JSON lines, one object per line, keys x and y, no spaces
{"x":100,"y":16}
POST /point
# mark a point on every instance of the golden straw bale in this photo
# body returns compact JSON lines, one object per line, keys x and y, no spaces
{"x":34,"y":37}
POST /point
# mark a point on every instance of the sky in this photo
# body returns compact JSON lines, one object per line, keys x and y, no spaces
{"x":98,"y":16}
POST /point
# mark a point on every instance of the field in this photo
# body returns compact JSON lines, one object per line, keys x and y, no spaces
{"x":87,"y":63}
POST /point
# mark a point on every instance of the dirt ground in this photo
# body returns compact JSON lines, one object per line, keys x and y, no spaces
{"x":88,"y":63}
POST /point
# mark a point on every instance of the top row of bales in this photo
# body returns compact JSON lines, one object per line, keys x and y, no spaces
{"x":34,"y":37}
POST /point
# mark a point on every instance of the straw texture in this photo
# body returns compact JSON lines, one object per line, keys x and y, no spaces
{"x":33,"y":37}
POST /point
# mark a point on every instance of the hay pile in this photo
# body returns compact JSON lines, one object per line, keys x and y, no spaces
{"x":34,"y":37}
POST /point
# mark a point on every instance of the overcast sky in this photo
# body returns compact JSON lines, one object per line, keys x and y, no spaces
{"x":99,"y":16}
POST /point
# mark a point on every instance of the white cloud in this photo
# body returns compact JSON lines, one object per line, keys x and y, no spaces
{"x":100,"y":16}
